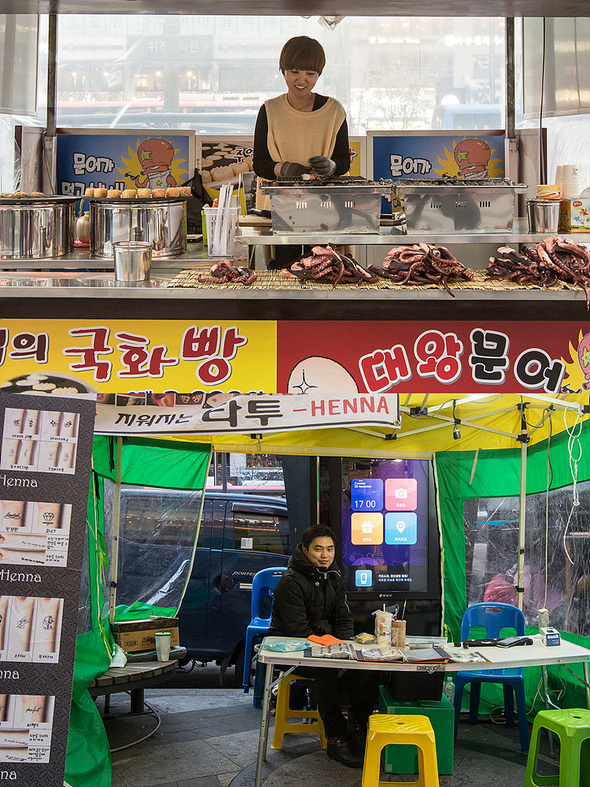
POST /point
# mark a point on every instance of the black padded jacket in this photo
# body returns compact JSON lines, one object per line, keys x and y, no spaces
{"x":309,"y":600}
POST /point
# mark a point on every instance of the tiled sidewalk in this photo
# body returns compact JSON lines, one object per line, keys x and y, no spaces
{"x":209,"y":736}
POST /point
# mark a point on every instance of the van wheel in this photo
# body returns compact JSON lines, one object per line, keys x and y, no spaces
{"x":239,"y":669}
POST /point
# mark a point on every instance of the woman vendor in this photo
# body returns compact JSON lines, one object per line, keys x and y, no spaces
{"x":309,"y":599}
{"x":300,"y":132}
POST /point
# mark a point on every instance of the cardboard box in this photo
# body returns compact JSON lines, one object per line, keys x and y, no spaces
{"x":135,"y":636}
{"x":574,"y":215}
{"x":550,"y":636}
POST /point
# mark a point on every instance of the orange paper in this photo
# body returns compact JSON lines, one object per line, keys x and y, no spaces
{"x":327,"y":639}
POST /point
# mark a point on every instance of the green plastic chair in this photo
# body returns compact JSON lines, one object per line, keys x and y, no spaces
{"x":572,"y":727}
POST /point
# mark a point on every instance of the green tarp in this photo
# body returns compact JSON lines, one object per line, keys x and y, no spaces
{"x":147,"y":463}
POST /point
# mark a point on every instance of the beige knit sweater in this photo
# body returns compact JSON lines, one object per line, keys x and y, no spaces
{"x":296,"y":136}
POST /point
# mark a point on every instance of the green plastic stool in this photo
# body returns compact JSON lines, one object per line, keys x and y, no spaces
{"x":572,"y":727}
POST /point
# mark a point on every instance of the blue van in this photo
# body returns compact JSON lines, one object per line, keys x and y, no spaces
{"x":240,"y":535}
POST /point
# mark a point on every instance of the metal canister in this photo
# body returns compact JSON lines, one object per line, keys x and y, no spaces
{"x":543,"y":214}
{"x":132,"y":260}
{"x":162,"y":223}
{"x":33,"y":229}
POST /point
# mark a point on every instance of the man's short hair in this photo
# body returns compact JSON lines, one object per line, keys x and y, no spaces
{"x":303,"y":53}
{"x":317,"y":531}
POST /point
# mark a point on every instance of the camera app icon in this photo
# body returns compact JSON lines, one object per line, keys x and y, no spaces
{"x":401,"y":494}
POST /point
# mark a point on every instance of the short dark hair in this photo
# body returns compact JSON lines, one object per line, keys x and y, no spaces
{"x":317,"y":531}
{"x":303,"y":53}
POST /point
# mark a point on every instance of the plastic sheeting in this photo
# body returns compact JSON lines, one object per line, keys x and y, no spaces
{"x":157,"y":537}
{"x":479,"y":512}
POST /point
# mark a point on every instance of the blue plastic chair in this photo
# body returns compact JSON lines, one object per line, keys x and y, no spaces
{"x":263,"y":585}
{"x":494,"y":617}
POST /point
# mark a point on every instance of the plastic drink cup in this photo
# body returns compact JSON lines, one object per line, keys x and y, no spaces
{"x":383,"y":621}
{"x":398,"y":633}
{"x":163,"y":645}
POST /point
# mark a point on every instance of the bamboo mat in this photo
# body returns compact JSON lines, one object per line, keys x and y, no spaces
{"x":272,"y":280}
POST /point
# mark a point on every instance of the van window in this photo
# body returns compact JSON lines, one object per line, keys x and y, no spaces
{"x":159,"y":516}
{"x":261,"y":531}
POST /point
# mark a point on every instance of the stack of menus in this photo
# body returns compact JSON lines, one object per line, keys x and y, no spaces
{"x":45,"y":454}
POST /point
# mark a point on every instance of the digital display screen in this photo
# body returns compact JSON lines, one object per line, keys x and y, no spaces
{"x":385,"y":525}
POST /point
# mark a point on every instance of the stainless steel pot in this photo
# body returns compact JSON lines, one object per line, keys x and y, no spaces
{"x":36,"y":229}
{"x":543,"y":214}
{"x":160,"y":222}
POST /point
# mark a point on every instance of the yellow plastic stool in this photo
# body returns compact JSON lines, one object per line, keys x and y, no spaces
{"x":572,"y":727}
{"x":283,"y":713}
{"x":385,"y":729}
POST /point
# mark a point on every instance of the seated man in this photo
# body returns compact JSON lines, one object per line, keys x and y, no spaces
{"x":310,"y":599}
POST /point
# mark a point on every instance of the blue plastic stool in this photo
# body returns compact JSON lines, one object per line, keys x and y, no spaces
{"x":263,"y":584}
{"x":493,"y":617}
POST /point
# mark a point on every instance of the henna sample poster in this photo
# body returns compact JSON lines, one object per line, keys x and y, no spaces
{"x":45,"y":456}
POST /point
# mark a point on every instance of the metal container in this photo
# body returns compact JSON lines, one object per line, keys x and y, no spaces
{"x":486,"y":205}
{"x":543,"y":214}
{"x":132,"y":260}
{"x":160,"y":222}
{"x":347,"y":205}
{"x":36,"y":227}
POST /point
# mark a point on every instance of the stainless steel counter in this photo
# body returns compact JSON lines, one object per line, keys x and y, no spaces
{"x":81,"y":278}
{"x":98,"y":286}
{"x":82,"y":260}
{"x":393,"y":236}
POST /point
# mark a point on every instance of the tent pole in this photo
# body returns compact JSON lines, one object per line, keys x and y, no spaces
{"x":116,"y":524}
{"x":522,"y":510}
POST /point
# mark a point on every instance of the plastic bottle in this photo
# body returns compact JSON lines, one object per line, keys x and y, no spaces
{"x":449,"y":689}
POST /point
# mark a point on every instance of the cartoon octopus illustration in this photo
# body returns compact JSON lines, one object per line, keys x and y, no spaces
{"x":472,"y":157}
{"x":155,"y":158}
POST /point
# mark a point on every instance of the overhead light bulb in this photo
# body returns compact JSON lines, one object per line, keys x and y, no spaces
{"x":330,"y":21}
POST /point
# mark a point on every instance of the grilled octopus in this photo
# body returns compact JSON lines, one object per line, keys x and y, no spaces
{"x":422,"y":263}
{"x":328,"y":265}
{"x":224,"y":272}
{"x":553,"y":259}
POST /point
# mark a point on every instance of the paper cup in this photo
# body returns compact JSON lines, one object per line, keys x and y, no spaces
{"x":398,"y":633}
{"x":570,"y":189}
{"x":568,"y":172}
{"x":163,"y":645}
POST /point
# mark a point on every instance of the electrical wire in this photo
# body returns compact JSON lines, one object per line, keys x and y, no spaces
{"x":155,"y":713}
{"x":549,"y":480}
{"x":573,"y":441}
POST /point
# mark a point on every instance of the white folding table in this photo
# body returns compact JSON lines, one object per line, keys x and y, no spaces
{"x":535,"y":655}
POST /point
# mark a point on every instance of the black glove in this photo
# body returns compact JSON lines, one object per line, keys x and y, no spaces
{"x":290,"y":169}
{"x":322,"y":165}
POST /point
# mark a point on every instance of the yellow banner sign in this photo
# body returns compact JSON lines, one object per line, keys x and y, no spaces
{"x":62,"y":356}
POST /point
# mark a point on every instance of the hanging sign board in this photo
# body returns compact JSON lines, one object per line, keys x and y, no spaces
{"x":250,"y":414}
